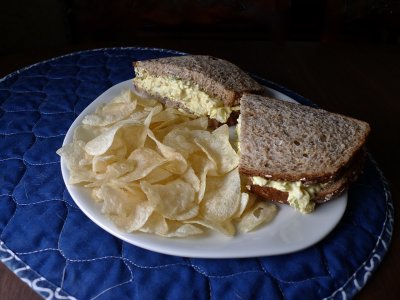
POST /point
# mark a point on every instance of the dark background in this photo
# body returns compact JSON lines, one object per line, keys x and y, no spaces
{"x":344,"y":55}
{"x":31,"y":25}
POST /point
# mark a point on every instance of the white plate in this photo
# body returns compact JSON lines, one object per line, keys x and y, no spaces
{"x":290,"y":231}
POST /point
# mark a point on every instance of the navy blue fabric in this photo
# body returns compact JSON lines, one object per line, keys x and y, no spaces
{"x":56,"y":249}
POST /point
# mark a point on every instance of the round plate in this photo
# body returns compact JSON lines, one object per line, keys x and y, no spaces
{"x":288,"y":232}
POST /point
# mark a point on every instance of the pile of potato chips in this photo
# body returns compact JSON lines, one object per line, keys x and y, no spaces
{"x":160,"y":170}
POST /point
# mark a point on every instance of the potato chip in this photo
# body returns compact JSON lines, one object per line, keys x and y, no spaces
{"x":72,"y":154}
{"x":160,"y":225}
{"x":177,"y":164}
{"x":160,"y":130}
{"x":131,"y":187}
{"x":96,"y":196}
{"x":138,"y":116}
{"x":158,"y":175}
{"x":190,"y":177}
{"x":156,"y":223}
{"x":222,"y":197}
{"x":182,"y":140}
{"x":146,"y":102}
{"x":173,"y":200}
{"x":86,"y":133}
{"x":145,"y":160}
{"x":194,"y":124}
{"x":100,"y":163}
{"x":245,"y":201}
{"x":202,"y":166}
{"x":118,"y":109}
{"x":133,"y":134}
{"x":110,"y":114}
{"x":100,"y":144}
{"x":260,"y":213}
{"x":116,"y":170}
{"x":168,"y":115}
{"x":112,"y":171}
{"x":118,"y":201}
{"x":226,"y":228}
{"x":136,"y":219}
{"x":153,"y":111}
{"x":128,"y":209}
{"x":177,"y":229}
{"x":81,"y":176}
{"x":161,"y":170}
{"x":218,"y":148}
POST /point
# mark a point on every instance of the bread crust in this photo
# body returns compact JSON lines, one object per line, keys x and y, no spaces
{"x":339,"y":185}
{"x":332,"y":190}
{"x":269,"y":193}
{"x":216,"y":77}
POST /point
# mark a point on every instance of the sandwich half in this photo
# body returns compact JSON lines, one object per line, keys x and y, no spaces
{"x":199,"y":84}
{"x":298,"y":155}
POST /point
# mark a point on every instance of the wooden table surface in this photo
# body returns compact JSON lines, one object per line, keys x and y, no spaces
{"x":362,"y":81}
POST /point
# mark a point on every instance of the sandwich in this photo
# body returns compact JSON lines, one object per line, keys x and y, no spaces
{"x":296,"y":154}
{"x":201,"y":85}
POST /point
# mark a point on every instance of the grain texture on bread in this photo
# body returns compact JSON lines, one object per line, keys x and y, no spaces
{"x":216,"y":77}
{"x":286,"y":141}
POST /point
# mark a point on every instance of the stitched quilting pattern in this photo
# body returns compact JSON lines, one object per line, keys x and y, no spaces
{"x":51,"y":245}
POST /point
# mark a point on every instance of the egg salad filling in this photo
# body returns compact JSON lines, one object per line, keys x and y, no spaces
{"x":189,"y":94}
{"x":300,"y":195}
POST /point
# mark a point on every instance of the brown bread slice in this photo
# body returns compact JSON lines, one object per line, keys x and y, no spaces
{"x":216,"y":77}
{"x":287,"y":141}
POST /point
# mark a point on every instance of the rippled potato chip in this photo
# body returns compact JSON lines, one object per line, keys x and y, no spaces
{"x":100,"y":163}
{"x":158,"y":175}
{"x":119,"y":108}
{"x":145,"y":160}
{"x":262,"y":212}
{"x":113,"y":138}
{"x":73,"y":154}
{"x":190,"y":177}
{"x":128,"y":209}
{"x":182,"y":140}
{"x":222,"y":197}
{"x":160,"y":225}
{"x":218,"y":149}
{"x":86,"y":133}
{"x":161,"y":170}
{"x":174,"y":200}
{"x":202,"y":166}
{"x":177,"y":164}
{"x":226,"y":228}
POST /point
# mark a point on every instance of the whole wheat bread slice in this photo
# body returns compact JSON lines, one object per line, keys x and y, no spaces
{"x":216,"y":77}
{"x":286,"y":141}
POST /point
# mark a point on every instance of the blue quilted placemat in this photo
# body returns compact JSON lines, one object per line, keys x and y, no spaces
{"x":48,"y":242}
